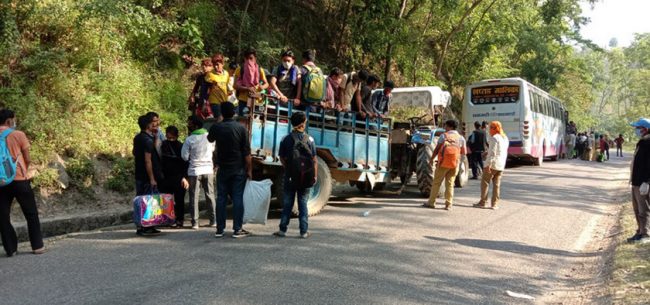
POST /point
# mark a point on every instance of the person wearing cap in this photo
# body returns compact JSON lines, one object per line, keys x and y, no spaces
{"x":381,"y":99}
{"x":291,"y":191}
{"x":640,"y":180}
{"x":286,"y":79}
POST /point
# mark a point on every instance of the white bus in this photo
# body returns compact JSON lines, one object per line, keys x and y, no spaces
{"x":533,"y":120}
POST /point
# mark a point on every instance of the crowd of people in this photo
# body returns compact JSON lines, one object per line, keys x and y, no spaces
{"x":304,"y":86}
{"x":591,"y":146}
{"x":222,"y":154}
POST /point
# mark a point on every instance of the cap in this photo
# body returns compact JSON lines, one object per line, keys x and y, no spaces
{"x":642,"y":122}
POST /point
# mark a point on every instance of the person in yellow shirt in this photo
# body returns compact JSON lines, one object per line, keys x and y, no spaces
{"x":249,"y":83}
{"x":219,"y":85}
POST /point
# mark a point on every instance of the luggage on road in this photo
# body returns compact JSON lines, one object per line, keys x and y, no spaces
{"x":257,"y":199}
{"x":154,"y":210}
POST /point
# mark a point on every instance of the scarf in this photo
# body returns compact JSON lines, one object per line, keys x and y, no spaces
{"x":293,"y":73}
{"x":199,"y":131}
{"x":332,"y":88}
{"x":250,"y":74}
{"x":496,"y":127}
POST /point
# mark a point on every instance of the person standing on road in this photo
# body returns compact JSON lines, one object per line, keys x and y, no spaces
{"x":619,"y":145}
{"x":477,"y":144}
{"x":148,"y":169}
{"x":571,"y":145}
{"x":497,"y":155}
{"x":20,"y":188}
{"x":198,"y":151}
{"x":640,"y":179}
{"x":450,"y":148}
{"x":175,"y":171}
{"x":296,"y":149}
{"x":235,"y":166}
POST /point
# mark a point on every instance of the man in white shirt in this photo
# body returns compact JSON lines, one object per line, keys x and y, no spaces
{"x":199,"y":151}
{"x":497,"y":155}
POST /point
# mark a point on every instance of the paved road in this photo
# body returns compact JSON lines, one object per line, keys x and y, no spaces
{"x":399,"y":254}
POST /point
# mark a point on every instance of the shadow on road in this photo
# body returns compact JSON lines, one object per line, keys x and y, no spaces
{"x":510,"y":246}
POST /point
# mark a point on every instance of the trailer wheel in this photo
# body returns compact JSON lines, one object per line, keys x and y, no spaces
{"x":463,"y":173}
{"x":424,"y":170}
{"x":320,"y":193}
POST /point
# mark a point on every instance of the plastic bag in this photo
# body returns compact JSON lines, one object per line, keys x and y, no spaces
{"x":644,"y":189}
{"x":153,"y":210}
{"x":257,"y":198}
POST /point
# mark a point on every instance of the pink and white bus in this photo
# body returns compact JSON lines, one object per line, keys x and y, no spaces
{"x":534,"y":121}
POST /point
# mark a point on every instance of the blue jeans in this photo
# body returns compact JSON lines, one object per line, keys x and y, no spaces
{"x":216,"y":110}
{"x":230,"y":184}
{"x":242,"y":108}
{"x":290,"y":194}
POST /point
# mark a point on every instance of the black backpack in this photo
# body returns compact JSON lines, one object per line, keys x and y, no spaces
{"x":301,"y":163}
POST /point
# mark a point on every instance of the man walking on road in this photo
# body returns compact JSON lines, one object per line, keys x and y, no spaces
{"x":619,"y":145}
{"x":450,"y":148}
{"x":477,"y":144}
{"x":235,"y":166}
{"x":496,"y":164}
{"x":298,"y":157}
{"x":640,"y":181}
{"x":198,"y":151}
{"x":17,"y":146}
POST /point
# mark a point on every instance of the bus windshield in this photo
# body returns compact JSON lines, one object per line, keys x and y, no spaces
{"x":496,"y":94}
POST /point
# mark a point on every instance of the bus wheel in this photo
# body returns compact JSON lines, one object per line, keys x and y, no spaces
{"x":424,"y":170}
{"x":320,"y":193}
{"x":540,"y":157}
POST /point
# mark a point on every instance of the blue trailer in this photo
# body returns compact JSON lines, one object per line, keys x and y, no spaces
{"x":349,"y":150}
{"x":366,"y":153}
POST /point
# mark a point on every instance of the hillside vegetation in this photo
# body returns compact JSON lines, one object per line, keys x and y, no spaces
{"x":80,"y":72}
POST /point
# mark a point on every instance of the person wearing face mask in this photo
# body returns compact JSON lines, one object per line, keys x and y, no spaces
{"x":250,"y":79}
{"x":497,"y":155}
{"x":286,"y":79}
{"x":640,"y":180}
{"x":20,"y":188}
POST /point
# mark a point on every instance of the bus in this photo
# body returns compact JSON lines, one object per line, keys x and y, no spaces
{"x":534,"y":120}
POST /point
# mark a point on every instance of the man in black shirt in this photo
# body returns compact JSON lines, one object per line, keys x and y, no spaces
{"x":640,"y":182}
{"x":235,"y":166}
{"x":477,"y":143}
{"x":148,"y":170}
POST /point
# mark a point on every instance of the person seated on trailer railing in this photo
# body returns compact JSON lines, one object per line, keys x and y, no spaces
{"x":350,"y":95}
{"x":332,"y":100}
{"x":381,"y":100}
{"x":286,"y":79}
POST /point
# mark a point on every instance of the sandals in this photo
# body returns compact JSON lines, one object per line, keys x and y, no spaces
{"x":39,"y":251}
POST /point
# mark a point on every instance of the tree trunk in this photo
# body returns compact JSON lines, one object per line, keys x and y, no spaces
{"x":342,"y":30}
{"x":241,"y":28}
{"x":445,"y":45}
{"x":389,"y":48}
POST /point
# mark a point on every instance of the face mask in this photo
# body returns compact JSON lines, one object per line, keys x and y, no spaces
{"x":13,"y":124}
{"x":287,"y":64}
{"x":638,"y":132}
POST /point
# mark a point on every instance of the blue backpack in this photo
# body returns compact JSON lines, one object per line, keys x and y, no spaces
{"x":7,"y":162}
